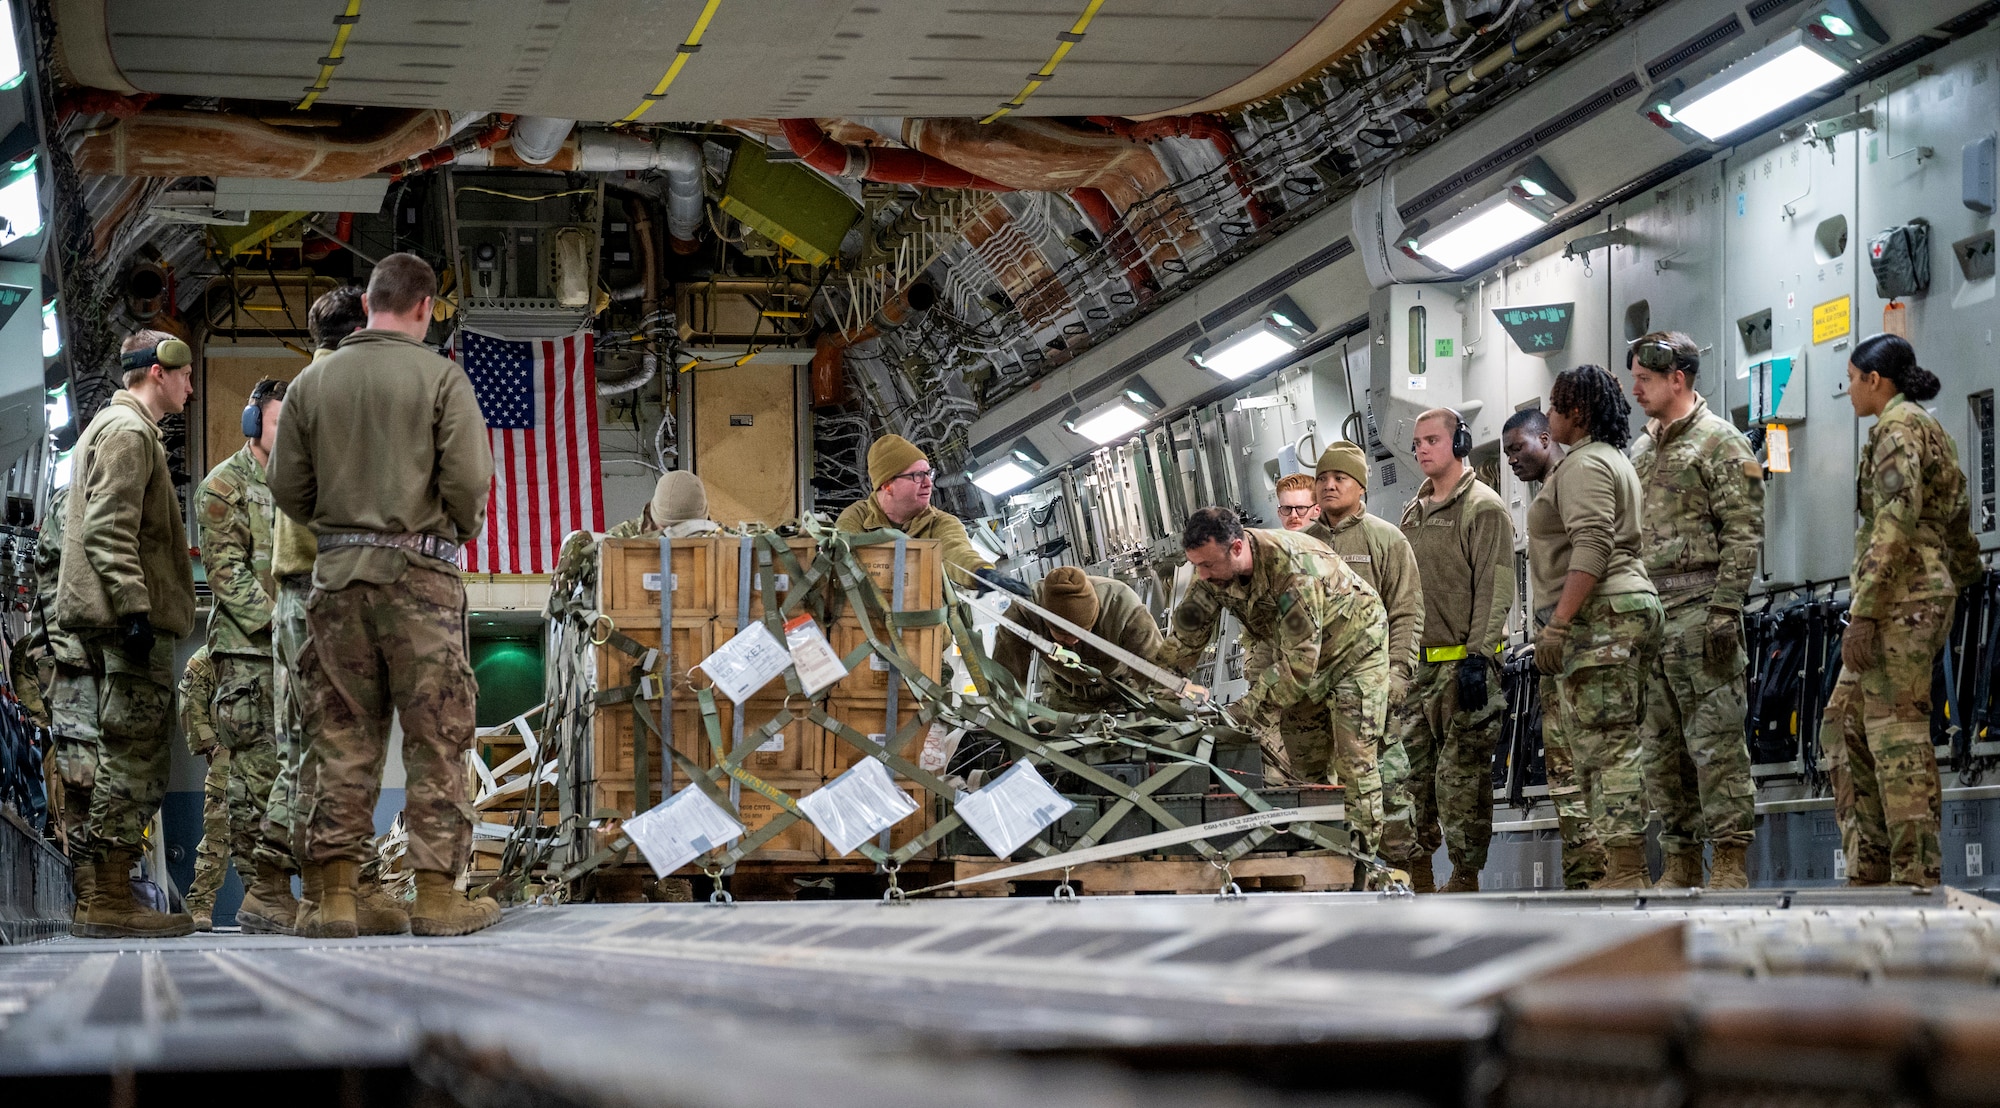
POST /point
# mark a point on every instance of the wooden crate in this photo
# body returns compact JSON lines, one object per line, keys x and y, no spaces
{"x":626,"y":565}
{"x":802,"y":742}
{"x":866,"y":718}
{"x":869,"y":681}
{"x":693,"y":641}
{"x":799,"y":841}
{"x":923,"y":572}
{"x":727,"y":575}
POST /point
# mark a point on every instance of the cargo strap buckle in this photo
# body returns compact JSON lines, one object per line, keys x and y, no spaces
{"x":894,"y":894}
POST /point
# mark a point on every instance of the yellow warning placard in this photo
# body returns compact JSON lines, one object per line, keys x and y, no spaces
{"x":1833,"y":319}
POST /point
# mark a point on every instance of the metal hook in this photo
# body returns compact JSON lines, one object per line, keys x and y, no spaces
{"x":894,"y":894}
{"x":610,"y":628}
{"x":1065,"y":892}
{"x":720,"y":895}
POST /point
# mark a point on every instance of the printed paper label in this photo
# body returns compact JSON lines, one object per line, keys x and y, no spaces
{"x":680,"y":829}
{"x":746,"y":662}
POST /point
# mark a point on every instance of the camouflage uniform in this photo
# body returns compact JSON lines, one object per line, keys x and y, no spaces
{"x":1586,"y":519}
{"x":211,"y":862}
{"x":1377,"y":552}
{"x":1323,"y":639}
{"x":72,"y":692}
{"x":1702,"y":526}
{"x":1121,"y":619}
{"x":235,"y":509}
{"x":1583,"y":858}
{"x":1465,"y":549}
{"x":1913,"y":553}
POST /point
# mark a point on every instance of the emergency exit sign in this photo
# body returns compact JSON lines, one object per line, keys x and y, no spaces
{"x":1540,"y":330}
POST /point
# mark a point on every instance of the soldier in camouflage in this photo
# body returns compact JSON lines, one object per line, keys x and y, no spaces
{"x":1701,"y":529}
{"x":71,"y":703}
{"x":1597,"y":610}
{"x":1463,"y":538}
{"x":126,"y":590}
{"x":1327,"y":640}
{"x":211,"y":860}
{"x":1912,"y":555}
{"x":235,"y":510}
{"x":1530,"y":452}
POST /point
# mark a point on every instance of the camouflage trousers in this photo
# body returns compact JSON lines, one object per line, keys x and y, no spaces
{"x":211,"y":859}
{"x":1583,"y":858}
{"x":1697,"y":759}
{"x":1602,"y":697}
{"x":243,"y":721}
{"x":378,"y":650}
{"x":283,"y":813}
{"x":1343,"y":736}
{"x":1450,"y":755}
{"x":73,"y":706}
{"x":1877,"y":735}
{"x":134,"y":702}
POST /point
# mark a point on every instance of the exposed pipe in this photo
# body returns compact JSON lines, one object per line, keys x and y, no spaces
{"x":220,"y":144}
{"x":1522,"y":43}
{"x":675,"y":156}
{"x":829,"y":360}
{"x":454,"y":150}
{"x":1097,"y":208}
{"x":1205,"y":128}
{"x":903,"y":167}
{"x":537,"y":138}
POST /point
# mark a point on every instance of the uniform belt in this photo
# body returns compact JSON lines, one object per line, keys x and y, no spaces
{"x":1674,"y":582}
{"x":430,"y":546}
{"x":1456,"y":653}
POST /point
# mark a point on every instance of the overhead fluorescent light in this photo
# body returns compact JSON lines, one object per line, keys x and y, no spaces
{"x":1283,"y":330}
{"x":12,"y":72}
{"x":1021,"y":464}
{"x":59,"y":475}
{"x":1783,"y":73}
{"x":20,"y":204}
{"x":1135,"y":406}
{"x":1485,"y":229}
{"x":56,"y":409}
{"x":51,"y":331}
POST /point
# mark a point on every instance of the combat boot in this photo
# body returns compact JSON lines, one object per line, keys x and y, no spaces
{"x":1464,"y":879}
{"x":1683,"y":870}
{"x":268,"y":907}
{"x":204,"y":918}
{"x":1625,"y":868}
{"x":1423,"y":878}
{"x":336,"y":901}
{"x":114,"y":914}
{"x":83,"y":882}
{"x":308,"y":914}
{"x":1727,"y":870}
{"x":378,"y":913}
{"x":443,"y":910}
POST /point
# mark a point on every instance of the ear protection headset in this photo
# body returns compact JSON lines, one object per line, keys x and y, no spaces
{"x":270,"y":388}
{"x":171,"y":353}
{"x":1461,"y":436}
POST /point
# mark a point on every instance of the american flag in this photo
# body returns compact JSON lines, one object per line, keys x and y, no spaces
{"x":540,"y":402}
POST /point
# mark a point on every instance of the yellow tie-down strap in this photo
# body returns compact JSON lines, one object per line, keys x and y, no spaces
{"x":1452,"y":653}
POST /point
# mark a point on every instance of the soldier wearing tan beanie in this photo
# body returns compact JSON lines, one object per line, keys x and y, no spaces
{"x":1111,"y":610}
{"x":903,"y":481}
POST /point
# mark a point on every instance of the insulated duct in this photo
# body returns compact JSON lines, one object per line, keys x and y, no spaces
{"x":220,"y":144}
{"x":677,"y":157}
{"x":901,"y":167}
{"x":538,"y":138}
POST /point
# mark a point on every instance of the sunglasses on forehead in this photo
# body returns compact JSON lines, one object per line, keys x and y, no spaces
{"x":1655,"y":355}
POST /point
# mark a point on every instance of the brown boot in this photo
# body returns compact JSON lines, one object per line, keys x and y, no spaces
{"x":308,"y":913}
{"x":268,"y":907}
{"x":1423,"y":879}
{"x":378,"y":913}
{"x":336,"y":901}
{"x":1464,"y":879}
{"x":83,"y":881}
{"x":1625,"y":868}
{"x":1727,"y":871}
{"x":1683,"y":870}
{"x":113,"y":913}
{"x":443,"y":910}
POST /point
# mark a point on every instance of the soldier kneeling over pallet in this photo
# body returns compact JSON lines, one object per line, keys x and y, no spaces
{"x":1111,"y":610}
{"x":1317,"y":645}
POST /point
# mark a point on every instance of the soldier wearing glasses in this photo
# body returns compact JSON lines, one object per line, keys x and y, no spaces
{"x":903,"y":481}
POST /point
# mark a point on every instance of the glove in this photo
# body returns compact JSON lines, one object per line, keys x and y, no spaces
{"x":1399,"y":688}
{"x":994,"y":579}
{"x":1725,"y":633}
{"x":1549,"y":648}
{"x":1861,"y":645}
{"x":1472,"y":683}
{"x":136,"y":634}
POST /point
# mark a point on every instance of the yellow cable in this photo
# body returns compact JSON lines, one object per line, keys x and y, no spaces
{"x":681,"y":54}
{"x":1040,"y":77}
{"x":345,"y":21}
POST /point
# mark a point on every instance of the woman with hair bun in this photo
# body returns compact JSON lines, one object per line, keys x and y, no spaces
{"x":1913,"y":554}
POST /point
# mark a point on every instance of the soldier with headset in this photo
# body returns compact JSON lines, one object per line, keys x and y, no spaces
{"x":1463,"y":538}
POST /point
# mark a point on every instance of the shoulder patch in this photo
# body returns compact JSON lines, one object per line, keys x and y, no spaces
{"x":1752,"y":470}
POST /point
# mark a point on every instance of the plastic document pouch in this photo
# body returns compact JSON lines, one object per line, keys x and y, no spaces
{"x":680,"y":829}
{"x":1778,"y":448}
{"x":857,"y":806}
{"x":1012,"y":810}
{"x":817,"y":664}
{"x":746,"y":663}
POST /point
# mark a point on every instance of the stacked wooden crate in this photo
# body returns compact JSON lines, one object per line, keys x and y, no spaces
{"x":708,"y":610}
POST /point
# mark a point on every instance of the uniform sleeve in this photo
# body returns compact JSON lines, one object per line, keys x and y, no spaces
{"x":1137,"y":632}
{"x":1403,"y":596}
{"x":849,"y":519}
{"x":1012,"y":651}
{"x":227,"y":554}
{"x":1962,"y":557}
{"x":1736,"y":497}
{"x":1295,"y":654}
{"x":197,"y":695}
{"x":1491,"y":541}
{"x":464,"y":457}
{"x":294,"y":487}
{"x":1191,"y":627}
{"x":961,"y":558}
{"x":113,"y":500}
{"x":1588,"y":503}
{"x":1899,"y":503}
